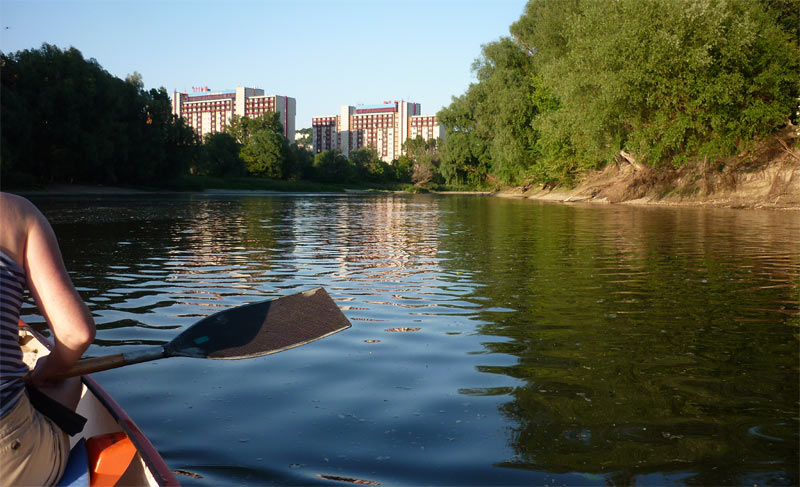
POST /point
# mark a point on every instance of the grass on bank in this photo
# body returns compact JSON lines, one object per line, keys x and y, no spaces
{"x":244,"y":183}
{"x":194,"y":183}
{"x":249,"y":183}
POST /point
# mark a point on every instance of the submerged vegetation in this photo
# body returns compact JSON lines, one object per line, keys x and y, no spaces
{"x":580,"y":83}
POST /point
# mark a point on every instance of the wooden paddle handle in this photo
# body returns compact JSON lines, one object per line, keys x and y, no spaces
{"x":94,"y":364}
{"x":98,"y":364}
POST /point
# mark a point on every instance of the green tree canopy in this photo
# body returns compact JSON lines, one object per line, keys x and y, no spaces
{"x":672,"y":79}
{"x":265,"y":153}
{"x":465,"y":157}
{"x":426,"y":158}
{"x":74,"y":122}
{"x":578,"y":81}
{"x":241,"y":128}
{"x":265,"y":150}
{"x":370,"y":167}
{"x":332,"y":167}
{"x":220,"y":156}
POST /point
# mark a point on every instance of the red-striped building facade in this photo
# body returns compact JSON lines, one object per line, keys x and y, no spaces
{"x":383,"y":127}
{"x":208,"y":112}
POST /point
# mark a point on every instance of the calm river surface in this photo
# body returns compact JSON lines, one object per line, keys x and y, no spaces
{"x":545,"y":344}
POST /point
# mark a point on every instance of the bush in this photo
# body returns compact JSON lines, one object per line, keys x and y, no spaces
{"x":331,"y":167}
{"x":219,"y":156}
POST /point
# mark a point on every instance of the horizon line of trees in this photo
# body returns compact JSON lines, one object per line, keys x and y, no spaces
{"x":580,"y":83}
{"x":73,"y":122}
{"x":67,"y":120}
{"x":256,"y":147}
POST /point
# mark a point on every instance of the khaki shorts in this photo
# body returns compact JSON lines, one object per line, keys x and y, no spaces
{"x":33,"y":450}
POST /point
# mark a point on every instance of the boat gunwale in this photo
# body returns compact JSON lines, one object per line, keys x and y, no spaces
{"x":149,"y":454}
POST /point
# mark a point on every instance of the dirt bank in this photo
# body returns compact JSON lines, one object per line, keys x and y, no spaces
{"x":766,"y":177}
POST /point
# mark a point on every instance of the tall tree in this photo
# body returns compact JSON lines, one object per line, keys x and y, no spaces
{"x":671,"y":80}
{"x":369,"y":167}
{"x":426,"y":158}
{"x":465,"y":157}
{"x":243,"y":127}
{"x":265,"y":150}
{"x":332,"y":167}
{"x":265,"y":153}
{"x":579,"y":81}
{"x":220,"y":156}
{"x":74,"y":122}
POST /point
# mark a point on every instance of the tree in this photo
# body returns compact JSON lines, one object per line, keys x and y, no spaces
{"x":578,"y":81}
{"x":465,"y":157}
{"x":220,"y":156}
{"x":301,"y":163}
{"x":74,"y":122}
{"x":426,"y":157}
{"x":465,"y":160}
{"x":368,"y":166}
{"x":332,"y":167}
{"x":265,"y":152}
{"x":672,"y":80}
{"x":403,"y":168}
{"x":506,"y":108}
{"x":490,"y":129}
{"x":243,"y":127}
{"x":135,"y":79}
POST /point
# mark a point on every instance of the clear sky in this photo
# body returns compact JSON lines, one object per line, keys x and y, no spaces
{"x":323,"y":53}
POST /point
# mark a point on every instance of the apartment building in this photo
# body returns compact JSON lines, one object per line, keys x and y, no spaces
{"x":324,"y":133}
{"x":384,"y":127}
{"x":210,"y":112}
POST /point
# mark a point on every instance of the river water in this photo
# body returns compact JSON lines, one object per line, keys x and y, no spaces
{"x":542,"y":344}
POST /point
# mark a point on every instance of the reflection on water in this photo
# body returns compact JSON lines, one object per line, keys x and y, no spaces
{"x":650,"y":340}
{"x":494,"y":341}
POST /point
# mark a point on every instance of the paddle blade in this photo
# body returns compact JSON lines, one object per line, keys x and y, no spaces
{"x":261,"y":328}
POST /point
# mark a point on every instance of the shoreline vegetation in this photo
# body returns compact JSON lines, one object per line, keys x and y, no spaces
{"x":680,"y":102}
{"x":767,"y":177}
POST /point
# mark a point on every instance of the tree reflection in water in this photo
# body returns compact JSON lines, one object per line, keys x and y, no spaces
{"x":649,"y":340}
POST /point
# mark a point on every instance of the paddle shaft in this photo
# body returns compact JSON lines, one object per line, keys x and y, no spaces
{"x":98,"y":364}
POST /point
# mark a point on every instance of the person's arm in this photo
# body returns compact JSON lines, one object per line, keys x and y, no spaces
{"x":57,"y":299}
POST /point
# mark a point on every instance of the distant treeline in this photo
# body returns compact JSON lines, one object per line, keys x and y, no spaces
{"x":67,"y":120}
{"x":582,"y":82}
{"x":255,"y":147}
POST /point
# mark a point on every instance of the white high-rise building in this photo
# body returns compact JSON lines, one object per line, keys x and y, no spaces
{"x":383,"y":127}
{"x":210,"y":112}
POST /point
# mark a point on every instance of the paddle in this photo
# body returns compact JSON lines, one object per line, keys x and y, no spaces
{"x":246,"y":331}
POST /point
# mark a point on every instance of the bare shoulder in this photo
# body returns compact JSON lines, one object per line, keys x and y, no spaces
{"x":13,"y":205}
{"x":17,"y":217}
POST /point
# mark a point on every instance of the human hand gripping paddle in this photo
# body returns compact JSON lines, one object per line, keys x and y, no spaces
{"x":246,"y":331}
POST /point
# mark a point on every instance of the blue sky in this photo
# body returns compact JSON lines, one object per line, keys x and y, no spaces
{"x":323,"y":53}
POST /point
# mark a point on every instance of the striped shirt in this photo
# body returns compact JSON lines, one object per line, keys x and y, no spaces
{"x":12,"y":369}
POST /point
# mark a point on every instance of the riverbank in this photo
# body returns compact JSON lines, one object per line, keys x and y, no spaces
{"x":766,"y":177}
